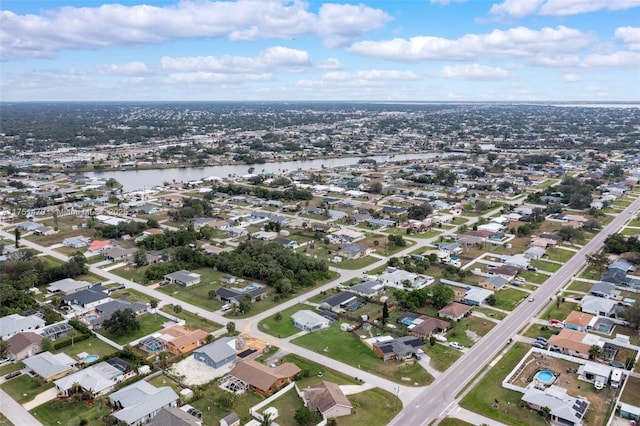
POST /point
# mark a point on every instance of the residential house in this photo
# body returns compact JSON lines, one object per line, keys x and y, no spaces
{"x":534,"y":252}
{"x":346,"y":235}
{"x":253,"y":291}
{"x":175,"y":416}
{"x":327,"y":399}
{"x":564,"y":409}
{"x":367,"y":289}
{"x":504,"y":271}
{"x":424,"y":326}
{"x":397,"y":349}
{"x":397,"y":278}
{"x":76,"y":242}
{"x":141,"y":401}
{"x":340,"y":301}
{"x":67,"y":286}
{"x":623,"y":265}
{"x":232,"y":419}
{"x":99,"y":379}
{"x":454,"y":311}
{"x":604,"y":289}
{"x":494,"y":282}
{"x":218,"y":353}
{"x":476,"y":296}
{"x":98,"y":246}
{"x":179,"y":340}
{"x":579,"y":321}
{"x":598,"y":306}
{"x":307,"y":320}
{"x":262,"y":379}
{"x":286,"y":243}
{"x":381,"y":223}
{"x":28,"y":226}
{"x":574,"y":343}
{"x":12,"y":324}
{"x":183,"y":277}
{"x":45,"y":230}
{"x":23,"y":345}
{"x":89,"y":298}
{"x":353,"y":251}
{"x":104,"y":311}
{"x":595,"y":372}
{"x":49,"y":366}
{"x":118,"y":254}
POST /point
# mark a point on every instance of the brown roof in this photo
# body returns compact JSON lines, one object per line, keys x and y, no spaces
{"x":183,"y":337}
{"x":21,"y":341}
{"x":262,"y":377}
{"x":570,"y":339}
{"x":578,"y":318}
{"x":505,"y":270}
{"x":429,"y":324}
{"x":482,"y":233}
{"x":454,"y":310}
{"x":325,"y":395}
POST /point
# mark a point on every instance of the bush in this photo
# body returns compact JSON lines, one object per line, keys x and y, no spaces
{"x":67,"y":342}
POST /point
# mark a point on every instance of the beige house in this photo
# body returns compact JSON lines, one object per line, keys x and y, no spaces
{"x":327,"y":399}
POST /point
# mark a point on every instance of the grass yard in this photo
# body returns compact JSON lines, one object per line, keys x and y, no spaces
{"x":347,"y":347}
{"x":559,"y":311}
{"x":546,"y":266}
{"x":192,"y":320}
{"x":471,"y":324}
{"x":70,"y":413}
{"x":131,"y":295}
{"x":533,"y":277}
{"x":582,"y":286}
{"x":509,"y":298}
{"x":10,"y":368}
{"x":287,"y":405}
{"x":538,"y":330}
{"x":24,"y":388}
{"x":284,"y":327}
{"x":493,"y":313}
{"x":355,"y":263}
{"x":197,"y":295}
{"x":213,"y":410}
{"x":590,"y":273}
{"x":4,"y":421}
{"x":149,"y":323}
{"x":375,"y":407}
{"x":559,"y":255}
{"x":489,"y":390}
{"x":92,"y":346}
{"x":441,"y":355}
{"x":450,"y":421}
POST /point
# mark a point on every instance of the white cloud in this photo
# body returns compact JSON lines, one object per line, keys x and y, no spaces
{"x":630,"y":36}
{"x":519,"y":41}
{"x":329,"y":64}
{"x":370,"y":75}
{"x":612,"y":60}
{"x":521,"y":8}
{"x":473,"y":72}
{"x":341,"y":23}
{"x":446,"y":2}
{"x":345,"y":81}
{"x":131,"y":68}
{"x":515,"y":8}
{"x":202,"y":77}
{"x":269,"y":59}
{"x":38,"y":36}
{"x":555,"y":61}
{"x":571,"y":78}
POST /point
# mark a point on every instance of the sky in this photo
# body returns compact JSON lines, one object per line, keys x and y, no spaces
{"x":279,"y":50}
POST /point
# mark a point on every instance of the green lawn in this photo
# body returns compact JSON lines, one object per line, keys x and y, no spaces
{"x":580,"y":286}
{"x":212,"y":410}
{"x":546,"y":266}
{"x":355,"y":263}
{"x":131,"y":295}
{"x":537,"y":330}
{"x":287,"y":405}
{"x":10,"y":367}
{"x":192,"y":320}
{"x":559,"y":255}
{"x":375,"y":407}
{"x":478,"y":325}
{"x":442,"y":356}
{"x":499,"y":315}
{"x":4,"y":421}
{"x":149,"y":323}
{"x":92,"y":346}
{"x":197,"y":295}
{"x":449,"y":421}
{"x":533,"y":277}
{"x":347,"y":347}
{"x":284,"y":327}
{"x":482,"y":397}
{"x":559,"y":311}
{"x":509,"y":298}
{"x":24,"y":388}
{"x":70,"y":413}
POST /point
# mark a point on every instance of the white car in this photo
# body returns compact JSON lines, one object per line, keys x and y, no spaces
{"x":456,"y":345}
{"x":530,"y":299}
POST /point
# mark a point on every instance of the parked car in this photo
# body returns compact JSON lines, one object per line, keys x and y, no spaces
{"x":530,"y":299}
{"x":542,"y":339}
{"x":519,"y":279}
{"x":538,"y":344}
{"x":440,"y":338}
{"x":558,"y":325}
{"x":13,"y":374}
{"x":456,"y":345}
{"x":555,"y":321}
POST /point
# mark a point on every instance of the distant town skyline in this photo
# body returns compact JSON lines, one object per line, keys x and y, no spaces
{"x":253,"y":50}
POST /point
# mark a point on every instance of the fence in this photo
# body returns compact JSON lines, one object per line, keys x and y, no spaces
{"x":254,"y":410}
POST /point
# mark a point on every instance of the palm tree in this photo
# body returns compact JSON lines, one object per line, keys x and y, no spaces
{"x":266,"y":420}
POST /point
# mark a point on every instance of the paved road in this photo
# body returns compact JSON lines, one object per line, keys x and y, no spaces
{"x":15,"y":412}
{"x":439,"y":398}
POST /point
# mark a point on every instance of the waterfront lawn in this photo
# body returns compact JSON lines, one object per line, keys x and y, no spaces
{"x":70,"y":413}
{"x":559,"y":254}
{"x":24,"y":387}
{"x":546,"y":266}
{"x":92,"y":346}
{"x":149,"y":323}
{"x":484,"y":395}
{"x":347,"y":347}
{"x":284,"y":327}
{"x":509,"y":298}
{"x":193,"y":321}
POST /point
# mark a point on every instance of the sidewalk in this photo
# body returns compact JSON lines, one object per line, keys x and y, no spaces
{"x":41,"y":398}
{"x":15,"y":412}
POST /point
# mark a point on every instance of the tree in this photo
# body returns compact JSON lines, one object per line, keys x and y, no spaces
{"x":419,"y":212}
{"x":491,"y":300}
{"x":598,"y":261}
{"x":594,"y":351}
{"x":16,"y":233}
{"x":303,"y":416}
{"x":385,"y":313}
{"x":231,"y":327}
{"x":177,"y":309}
{"x":212,"y":294}
{"x":441,"y":296}
{"x":375,"y":188}
{"x":153,"y":303}
{"x":632,"y":315}
{"x":55,"y":221}
{"x":122,"y":322}
{"x":266,"y":420}
{"x":4,"y":347}
{"x":277,"y":317}
{"x":140,"y":257}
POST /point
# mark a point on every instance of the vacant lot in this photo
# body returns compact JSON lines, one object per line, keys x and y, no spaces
{"x":92,"y":346}
{"x":559,"y":255}
{"x":546,"y":266}
{"x":149,"y":323}
{"x":509,"y":298}
{"x":347,"y":347}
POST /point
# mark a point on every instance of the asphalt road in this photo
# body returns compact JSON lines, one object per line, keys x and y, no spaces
{"x":437,"y":399}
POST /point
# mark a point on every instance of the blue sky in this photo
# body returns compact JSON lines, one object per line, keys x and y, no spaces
{"x":418,"y":50}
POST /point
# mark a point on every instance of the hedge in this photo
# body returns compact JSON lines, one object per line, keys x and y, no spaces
{"x":67,"y":342}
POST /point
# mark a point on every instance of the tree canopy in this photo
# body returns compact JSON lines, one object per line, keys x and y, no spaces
{"x":121,"y":323}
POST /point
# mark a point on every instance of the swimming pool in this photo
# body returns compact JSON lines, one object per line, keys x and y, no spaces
{"x":90,"y":318}
{"x":90,"y":358}
{"x":545,"y":377}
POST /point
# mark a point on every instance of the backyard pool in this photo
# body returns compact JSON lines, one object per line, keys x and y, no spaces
{"x":90,"y":318}
{"x":90,"y":358}
{"x":545,"y":377}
